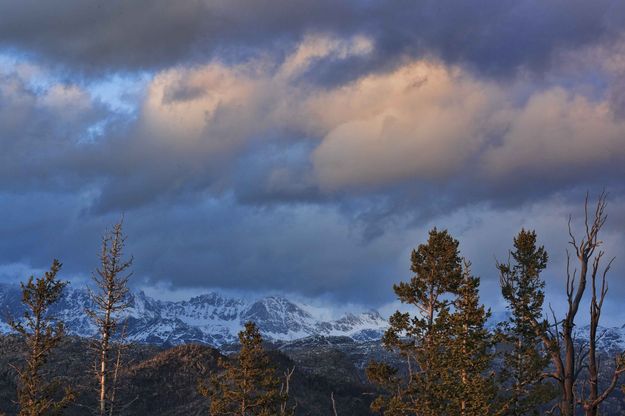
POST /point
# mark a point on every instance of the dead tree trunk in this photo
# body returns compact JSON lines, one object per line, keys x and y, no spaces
{"x":589,"y":258}
{"x":284,"y":393}
{"x":558,"y":338}
{"x":109,"y":299}
{"x":595,"y":396}
{"x":334,"y":412}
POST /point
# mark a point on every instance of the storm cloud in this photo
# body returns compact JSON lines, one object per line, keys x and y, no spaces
{"x":304,"y":147}
{"x":495,"y":37}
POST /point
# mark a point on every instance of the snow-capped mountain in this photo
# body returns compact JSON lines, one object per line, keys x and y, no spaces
{"x":215,"y":319}
{"x":610,"y":339}
{"x":211,"y":318}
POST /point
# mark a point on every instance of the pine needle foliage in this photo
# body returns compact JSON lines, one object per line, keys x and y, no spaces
{"x":469,"y":355}
{"x":37,"y":395}
{"x":248,"y":384}
{"x":445,"y":344}
{"x":523,"y":390}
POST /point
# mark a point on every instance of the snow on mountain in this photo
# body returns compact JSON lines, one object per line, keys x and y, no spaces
{"x":209,"y":318}
{"x":216,"y":319}
{"x":608,"y":339}
{"x":4,"y":328}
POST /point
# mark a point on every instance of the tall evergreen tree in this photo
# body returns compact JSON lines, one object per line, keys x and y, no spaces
{"x":469,"y":352}
{"x":436,"y":343}
{"x":248,"y":385}
{"x":523,"y":389}
{"x":42,"y":332}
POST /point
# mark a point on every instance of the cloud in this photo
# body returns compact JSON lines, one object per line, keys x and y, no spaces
{"x":562,"y":134}
{"x":422,"y":121}
{"x":208,"y":242}
{"x":428,"y":123}
{"x":496,"y":38}
{"x":310,"y":251}
{"x":302,"y":146}
{"x":39,"y":128}
{"x":267,"y":135}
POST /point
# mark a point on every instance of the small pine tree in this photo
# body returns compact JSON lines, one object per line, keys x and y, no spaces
{"x":42,"y":333}
{"x":248,"y":385}
{"x":523,"y":391}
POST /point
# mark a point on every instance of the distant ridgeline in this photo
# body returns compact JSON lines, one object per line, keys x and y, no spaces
{"x":211,"y":319}
{"x":215,"y":319}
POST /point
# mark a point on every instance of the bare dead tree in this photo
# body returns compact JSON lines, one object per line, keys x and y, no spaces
{"x":558,"y":337}
{"x":592,"y":400}
{"x":110,"y":300}
{"x":121,"y":346}
{"x":284,"y":394}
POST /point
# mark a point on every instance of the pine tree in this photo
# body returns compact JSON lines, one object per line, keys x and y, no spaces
{"x":421,"y":339}
{"x":469,"y":352}
{"x":110,"y":300}
{"x":248,"y":385}
{"x":42,"y":333}
{"x":524,"y":363}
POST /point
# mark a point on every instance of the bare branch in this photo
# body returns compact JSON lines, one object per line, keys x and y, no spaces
{"x":333,"y":404}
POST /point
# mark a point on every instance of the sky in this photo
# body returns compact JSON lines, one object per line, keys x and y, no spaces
{"x":305,"y":148}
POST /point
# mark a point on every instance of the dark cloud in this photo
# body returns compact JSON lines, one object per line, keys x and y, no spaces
{"x":303,"y":249}
{"x":305,"y":146}
{"x":126,"y":36}
{"x":205,"y":242}
{"x":40,"y":130}
{"x":495,"y":37}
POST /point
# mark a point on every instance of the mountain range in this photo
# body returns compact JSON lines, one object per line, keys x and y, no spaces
{"x":213,"y":318}
{"x":168,"y":339}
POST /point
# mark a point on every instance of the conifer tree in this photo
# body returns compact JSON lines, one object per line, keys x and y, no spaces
{"x":110,"y":300}
{"x":42,"y":332}
{"x":469,"y":352}
{"x":421,"y":339}
{"x":248,"y":385}
{"x":523,"y":389}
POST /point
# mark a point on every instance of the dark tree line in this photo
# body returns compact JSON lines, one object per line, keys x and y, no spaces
{"x":454,"y":365}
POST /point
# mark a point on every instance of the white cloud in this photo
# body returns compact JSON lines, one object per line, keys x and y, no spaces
{"x":424,"y":121}
{"x":557,"y":131}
